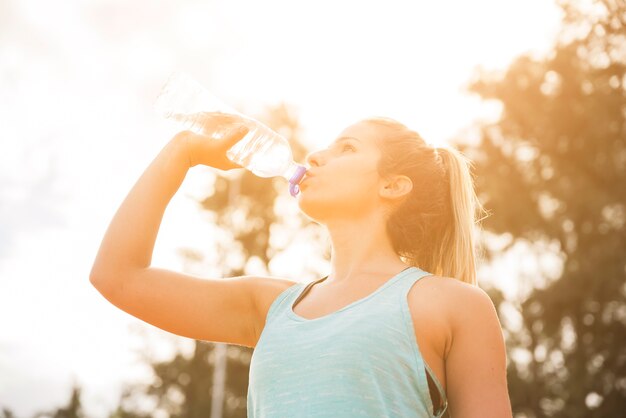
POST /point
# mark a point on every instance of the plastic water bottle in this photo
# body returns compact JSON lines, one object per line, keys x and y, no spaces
{"x":262,"y":151}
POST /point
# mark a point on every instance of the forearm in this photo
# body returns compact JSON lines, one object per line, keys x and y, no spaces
{"x":129,"y":240}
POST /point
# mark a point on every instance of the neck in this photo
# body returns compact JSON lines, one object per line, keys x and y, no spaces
{"x":361,"y":251}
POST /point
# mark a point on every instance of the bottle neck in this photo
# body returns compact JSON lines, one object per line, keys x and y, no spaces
{"x":293,"y":175}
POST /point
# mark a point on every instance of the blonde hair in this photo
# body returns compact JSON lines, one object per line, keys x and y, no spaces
{"x":434,"y":227}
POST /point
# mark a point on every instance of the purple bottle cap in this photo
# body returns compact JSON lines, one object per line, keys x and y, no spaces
{"x":294,"y":189}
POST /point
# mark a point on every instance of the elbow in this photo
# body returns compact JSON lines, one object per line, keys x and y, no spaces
{"x":95,"y":274}
{"x":100,"y":280}
{"x":96,"y":280}
{"x":109,"y":282}
{"x":104,"y":285}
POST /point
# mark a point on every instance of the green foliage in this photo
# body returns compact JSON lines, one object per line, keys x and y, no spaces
{"x":553,"y":169}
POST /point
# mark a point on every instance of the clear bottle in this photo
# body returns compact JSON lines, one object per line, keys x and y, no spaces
{"x":262,"y":151}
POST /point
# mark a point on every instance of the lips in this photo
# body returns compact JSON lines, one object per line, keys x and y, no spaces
{"x":305,"y":180}
{"x":307,"y":175}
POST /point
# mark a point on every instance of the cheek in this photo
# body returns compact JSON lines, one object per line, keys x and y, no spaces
{"x":338,"y":189}
{"x":341,"y":197}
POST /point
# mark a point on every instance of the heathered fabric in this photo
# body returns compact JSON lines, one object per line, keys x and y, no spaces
{"x":362,"y":360}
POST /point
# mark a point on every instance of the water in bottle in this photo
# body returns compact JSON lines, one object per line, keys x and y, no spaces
{"x":267,"y":154}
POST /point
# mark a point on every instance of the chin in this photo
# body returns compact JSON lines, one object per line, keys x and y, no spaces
{"x":313,"y":209}
{"x":321,"y":211}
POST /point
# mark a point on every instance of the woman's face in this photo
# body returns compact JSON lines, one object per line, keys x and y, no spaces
{"x":343,"y":180}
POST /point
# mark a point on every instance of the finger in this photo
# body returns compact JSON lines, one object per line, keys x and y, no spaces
{"x":236,"y":134}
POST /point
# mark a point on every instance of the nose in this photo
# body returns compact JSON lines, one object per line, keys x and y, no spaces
{"x":314,"y":159}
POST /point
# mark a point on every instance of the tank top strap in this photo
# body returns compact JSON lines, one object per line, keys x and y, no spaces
{"x":403,"y":287}
{"x":282,"y":301}
{"x":304,"y":291}
{"x":406,"y":281}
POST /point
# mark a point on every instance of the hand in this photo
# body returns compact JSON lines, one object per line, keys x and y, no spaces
{"x":206,"y":150}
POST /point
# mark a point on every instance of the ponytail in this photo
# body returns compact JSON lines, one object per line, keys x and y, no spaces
{"x":458,"y":252}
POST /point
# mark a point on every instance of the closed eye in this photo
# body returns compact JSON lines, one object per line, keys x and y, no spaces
{"x":348,"y":145}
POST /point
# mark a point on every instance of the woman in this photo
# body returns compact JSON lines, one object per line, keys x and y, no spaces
{"x":366,"y":340}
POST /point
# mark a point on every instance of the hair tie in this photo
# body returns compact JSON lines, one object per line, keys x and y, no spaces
{"x":439,"y":156}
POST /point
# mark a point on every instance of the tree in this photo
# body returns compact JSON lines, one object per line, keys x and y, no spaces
{"x":553,"y":169}
{"x":7,"y":413}
{"x":74,"y":408}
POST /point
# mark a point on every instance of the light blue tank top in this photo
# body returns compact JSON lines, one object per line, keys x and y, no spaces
{"x":362,"y":360}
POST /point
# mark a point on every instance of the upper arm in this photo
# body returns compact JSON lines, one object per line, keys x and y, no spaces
{"x":476,"y":362}
{"x":218,"y":310}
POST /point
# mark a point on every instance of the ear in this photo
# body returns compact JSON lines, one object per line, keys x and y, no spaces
{"x":395,"y":187}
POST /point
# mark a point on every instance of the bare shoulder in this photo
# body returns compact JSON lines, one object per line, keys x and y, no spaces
{"x":471,"y":310}
{"x":266,"y":290}
{"x":456,"y":294}
{"x":453,"y":290}
{"x":437,"y":292}
{"x":435,"y":303}
{"x":464,"y":298}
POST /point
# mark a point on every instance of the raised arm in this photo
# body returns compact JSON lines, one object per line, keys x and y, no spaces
{"x":129,"y":240}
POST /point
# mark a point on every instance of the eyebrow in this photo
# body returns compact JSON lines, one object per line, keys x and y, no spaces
{"x":344,"y":138}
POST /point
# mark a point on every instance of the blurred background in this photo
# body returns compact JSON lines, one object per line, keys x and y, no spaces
{"x":533,"y":92}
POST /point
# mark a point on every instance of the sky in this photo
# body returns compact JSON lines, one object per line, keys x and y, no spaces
{"x":77,"y":129}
